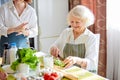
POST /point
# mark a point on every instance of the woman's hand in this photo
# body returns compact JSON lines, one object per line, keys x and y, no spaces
{"x":25,"y":33}
{"x":20,"y":29}
{"x":54,"y":51}
{"x":69,"y":61}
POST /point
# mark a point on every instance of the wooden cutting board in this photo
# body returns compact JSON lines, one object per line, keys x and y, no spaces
{"x":76,"y":73}
{"x":65,"y":74}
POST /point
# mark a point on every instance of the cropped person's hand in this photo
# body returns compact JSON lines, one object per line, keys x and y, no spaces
{"x":20,"y":28}
{"x":25,"y":33}
{"x":3,"y":75}
{"x":69,"y":61}
{"x":54,"y":51}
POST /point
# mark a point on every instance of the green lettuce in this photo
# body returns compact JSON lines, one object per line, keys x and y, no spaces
{"x":26,"y":55}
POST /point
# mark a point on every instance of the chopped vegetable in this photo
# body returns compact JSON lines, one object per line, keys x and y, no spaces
{"x":51,"y":76}
{"x":11,"y":77}
{"x":54,"y":74}
{"x":58,"y":62}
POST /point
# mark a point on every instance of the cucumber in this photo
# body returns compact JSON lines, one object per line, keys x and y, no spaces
{"x":58,"y":62}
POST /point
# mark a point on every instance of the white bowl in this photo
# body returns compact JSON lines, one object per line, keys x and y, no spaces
{"x":8,"y":69}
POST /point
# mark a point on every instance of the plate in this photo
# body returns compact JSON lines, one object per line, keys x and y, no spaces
{"x":8,"y":69}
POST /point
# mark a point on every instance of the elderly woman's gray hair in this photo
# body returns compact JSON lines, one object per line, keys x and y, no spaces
{"x":83,"y":13}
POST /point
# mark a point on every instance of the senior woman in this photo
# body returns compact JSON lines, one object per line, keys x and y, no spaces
{"x":77,"y":44}
{"x":18,"y":22}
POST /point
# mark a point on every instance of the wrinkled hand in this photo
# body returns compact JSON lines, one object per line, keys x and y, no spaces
{"x":3,"y":75}
{"x":54,"y":51}
{"x":69,"y":61}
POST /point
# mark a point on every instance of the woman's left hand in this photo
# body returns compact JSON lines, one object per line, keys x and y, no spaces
{"x":69,"y":61}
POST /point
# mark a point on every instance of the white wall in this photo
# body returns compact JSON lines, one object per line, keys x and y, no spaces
{"x":52,"y":21}
{"x":113,"y":13}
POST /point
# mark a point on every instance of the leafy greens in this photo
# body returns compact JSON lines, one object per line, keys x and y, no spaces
{"x":26,"y":55}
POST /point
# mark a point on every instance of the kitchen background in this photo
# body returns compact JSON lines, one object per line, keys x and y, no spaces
{"x":52,"y":20}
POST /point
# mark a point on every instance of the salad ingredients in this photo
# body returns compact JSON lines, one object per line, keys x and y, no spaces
{"x":54,"y":74}
{"x":11,"y":77}
{"x":58,"y":62}
{"x":51,"y":76}
{"x":26,"y":55}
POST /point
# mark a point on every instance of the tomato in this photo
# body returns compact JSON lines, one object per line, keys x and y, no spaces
{"x":46,"y":76}
{"x":54,"y":74}
{"x":51,"y":78}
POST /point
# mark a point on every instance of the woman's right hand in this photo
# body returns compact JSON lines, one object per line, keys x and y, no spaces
{"x":20,"y":28}
{"x":54,"y":51}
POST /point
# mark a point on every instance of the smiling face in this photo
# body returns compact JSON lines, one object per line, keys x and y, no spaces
{"x":80,"y":17}
{"x":76,"y":23}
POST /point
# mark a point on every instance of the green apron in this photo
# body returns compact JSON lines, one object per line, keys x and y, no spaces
{"x":78,"y":50}
{"x":71,"y":49}
{"x":74,"y":50}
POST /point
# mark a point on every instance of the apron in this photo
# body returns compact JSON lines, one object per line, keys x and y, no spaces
{"x":78,"y":50}
{"x":20,"y":40}
{"x":74,"y":50}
